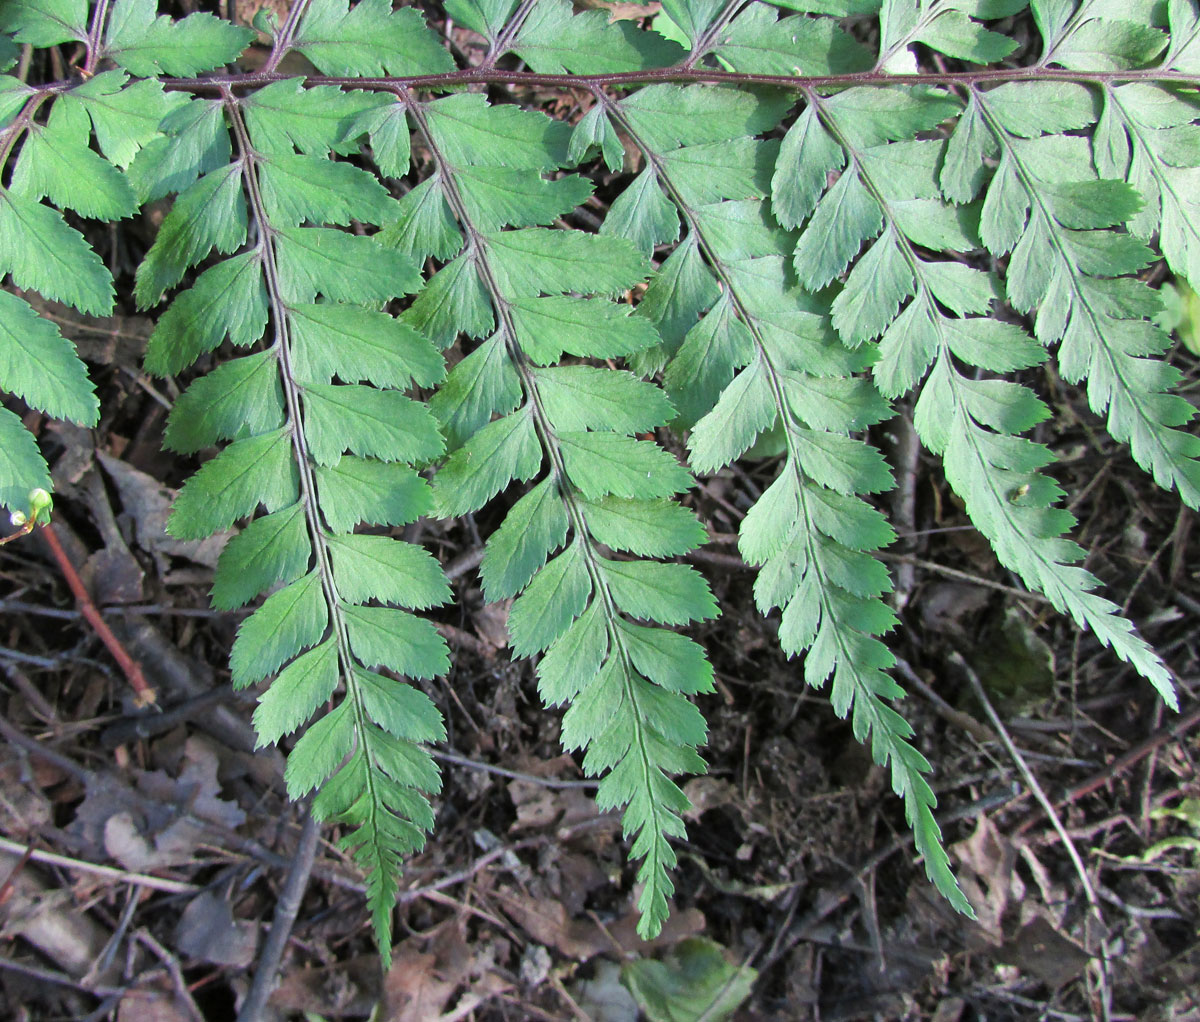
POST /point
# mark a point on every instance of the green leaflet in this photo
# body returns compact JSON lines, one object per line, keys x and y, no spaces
{"x":194,"y":141}
{"x":249,"y":472}
{"x":342,"y":267}
{"x":377,"y":567}
{"x":240,"y":395}
{"x":270,"y":549}
{"x":54,"y":164}
{"x":124,"y":117}
{"x":357,"y":490}
{"x":229,"y":299}
{"x":288,"y":621}
{"x":316,"y":121}
{"x":357,"y":344}
{"x":368,"y":39}
{"x":45,"y":22}
{"x":22,"y":467}
{"x":39,"y":365}
{"x":210,"y":214}
{"x":145,"y":45}
{"x":534,"y":528}
{"x":376,"y":423}
{"x":552,"y":39}
{"x":43,"y":253}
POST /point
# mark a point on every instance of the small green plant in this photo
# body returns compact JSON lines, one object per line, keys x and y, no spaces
{"x":813,"y":207}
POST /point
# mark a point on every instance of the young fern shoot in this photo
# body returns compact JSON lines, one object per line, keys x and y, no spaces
{"x":811,"y":209}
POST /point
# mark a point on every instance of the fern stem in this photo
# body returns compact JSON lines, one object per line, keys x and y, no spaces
{"x":708,"y":38}
{"x":681,"y":75}
{"x":925,"y":18}
{"x":511,"y":27}
{"x":9,"y":136}
{"x":287,"y":31}
{"x":95,"y":32}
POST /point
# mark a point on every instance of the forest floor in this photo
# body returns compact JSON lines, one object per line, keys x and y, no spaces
{"x":152,"y":845}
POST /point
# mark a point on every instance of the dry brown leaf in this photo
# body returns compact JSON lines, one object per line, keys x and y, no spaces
{"x":986,"y":860}
{"x":142,"y":835}
{"x":621,"y":10}
{"x":208,"y":931}
{"x":547,"y":922}
{"x":413,"y":989}
{"x":151,"y":1004}
{"x":349,"y":988}
{"x":491,"y":623}
{"x":1040,"y":949}
{"x":148,"y":503}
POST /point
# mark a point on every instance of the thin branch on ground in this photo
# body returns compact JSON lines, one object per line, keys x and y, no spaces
{"x":286,"y":910}
{"x":108,"y":872}
{"x":1055,"y":821}
{"x":516,"y":775}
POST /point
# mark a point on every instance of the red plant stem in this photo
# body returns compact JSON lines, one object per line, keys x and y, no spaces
{"x":6,"y":891}
{"x":144,"y":695}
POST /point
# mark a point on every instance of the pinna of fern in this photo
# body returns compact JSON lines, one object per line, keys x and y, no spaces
{"x":318,"y":456}
{"x":826,"y":228}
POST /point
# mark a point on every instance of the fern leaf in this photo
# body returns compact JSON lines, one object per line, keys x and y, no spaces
{"x":43,"y":254}
{"x":368,"y":39}
{"x":577,"y":422}
{"x":124,"y":116}
{"x":146,"y":45}
{"x":331,"y":382}
{"x":1044,"y":217}
{"x":22,"y":467}
{"x":45,"y":22}
{"x":554,"y":40}
{"x":40,"y":365}
{"x":816,"y":564}
{"x":781,"y":267}
{"x":39,"y":251}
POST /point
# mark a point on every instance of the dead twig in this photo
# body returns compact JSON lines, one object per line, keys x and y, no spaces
{"x":516,"y":775}
{"x":1055,"y":821}
{"x":171,"y":963}
{"x":286,"y":910}
{"x":108,"y":872}
{"x":1118,"y":766}
{"x":58,"y":978}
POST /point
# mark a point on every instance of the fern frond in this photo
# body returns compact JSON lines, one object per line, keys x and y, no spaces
{"x":627,"y":695}
{"x":331,"y":381}
{"x":810,"y":533}
{"x":893,"y":195}
{"x":1046,"y":207}
{"x":39,"y":251}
